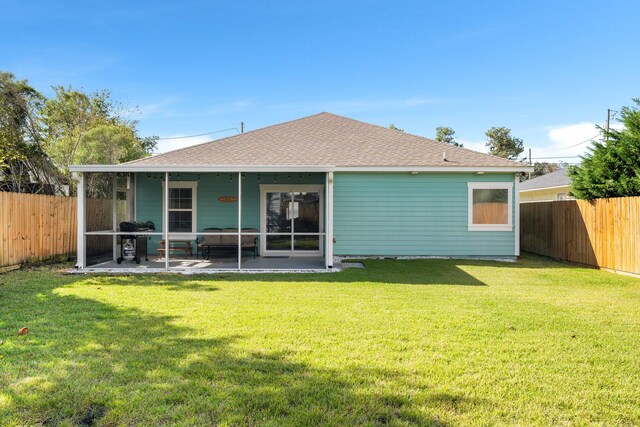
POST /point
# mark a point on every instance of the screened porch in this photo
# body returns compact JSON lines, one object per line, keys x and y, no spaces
{"x":205,"y":220}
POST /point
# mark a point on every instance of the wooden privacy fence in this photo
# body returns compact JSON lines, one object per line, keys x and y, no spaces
{"x":36,"y":228}
{"x":603,"y":233}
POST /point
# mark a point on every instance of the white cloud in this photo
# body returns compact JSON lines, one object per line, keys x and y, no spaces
{"x":165,"y":145}
{"x":562,"y":143}
{"x":158,"y":108}
{"x":567,"y":142}
{"x":478,"y":146}
{"x":169,"y":108}
{"x":564,"y":137}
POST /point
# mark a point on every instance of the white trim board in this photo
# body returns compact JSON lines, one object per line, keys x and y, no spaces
{"x":545,"y":188}
{"x":200,"y":168}
{"x":490,"y":186}
{"x":193,"y":185}
{"x":290,"y":188}
{"x":517,"y":219}
{"x":419,"y":169}
{"x":293,"y":168}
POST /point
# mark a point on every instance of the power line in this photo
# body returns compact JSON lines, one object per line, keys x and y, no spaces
{"x":556,"y":157}
{"x":580,"y":143}
{"x":201,"y":134}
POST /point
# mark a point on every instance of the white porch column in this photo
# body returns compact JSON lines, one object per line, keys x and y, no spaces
{"x":165,"y":221}
{"x":239,"y":220}
{"x":329,"y":221}
{"x":114,"y":212}
{"x":516,"y":221}
{"x":82,"y":256}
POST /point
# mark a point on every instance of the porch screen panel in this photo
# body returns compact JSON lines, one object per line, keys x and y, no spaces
{"x":306,"y":220}
{"x":124,"y":197}
{"x":278,"y":217}
{"x":99,"y":192}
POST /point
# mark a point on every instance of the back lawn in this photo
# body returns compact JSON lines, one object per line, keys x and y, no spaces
{"x":421,"y":342}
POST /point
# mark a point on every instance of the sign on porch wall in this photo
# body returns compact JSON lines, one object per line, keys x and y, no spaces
{"x":227,"y":199}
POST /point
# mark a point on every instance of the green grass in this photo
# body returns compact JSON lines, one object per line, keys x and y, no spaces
{"x":424,"y":342}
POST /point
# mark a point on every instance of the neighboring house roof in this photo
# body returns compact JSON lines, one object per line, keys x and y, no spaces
{"x":326,"y":139}
{"x":558,"y":178}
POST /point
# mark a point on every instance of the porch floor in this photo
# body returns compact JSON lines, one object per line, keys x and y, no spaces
{"x":213,"y":264}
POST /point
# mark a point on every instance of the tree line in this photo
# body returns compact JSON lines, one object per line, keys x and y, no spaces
{"x":40,"y":137}
{"x":499,"y":142}
{"x":610,"y":168}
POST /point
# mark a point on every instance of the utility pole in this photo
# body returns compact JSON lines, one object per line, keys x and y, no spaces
{"x":241,"y":127}
{"x":606,"y":138}
{"x":529,"y":162}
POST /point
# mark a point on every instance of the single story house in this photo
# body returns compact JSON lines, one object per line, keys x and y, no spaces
{"x":297,"y":194}
{"x":546,"y":188}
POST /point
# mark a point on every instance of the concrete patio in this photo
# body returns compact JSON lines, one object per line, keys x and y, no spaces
{"x":213,"y":265}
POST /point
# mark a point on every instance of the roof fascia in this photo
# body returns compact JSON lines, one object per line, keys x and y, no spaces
{"x":199,"y":168}
{"x":461,"y":169}
{"x":293,"y":168}
{"x":545,"y":188}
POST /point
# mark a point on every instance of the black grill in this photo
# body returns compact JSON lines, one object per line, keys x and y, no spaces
{"x":136,"y":226}
{"x":139,"y":242}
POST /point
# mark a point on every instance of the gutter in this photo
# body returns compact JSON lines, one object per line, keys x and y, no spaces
{"x":293,"y":168}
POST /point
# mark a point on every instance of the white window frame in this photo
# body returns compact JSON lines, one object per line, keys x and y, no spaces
{"x":193,"y":185}
{"x":490,"y":186}
{"x":290,"y":188}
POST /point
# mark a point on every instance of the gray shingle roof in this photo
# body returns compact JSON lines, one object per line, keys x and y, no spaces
{"x":325,"y":139}
{"x":558,"y":178}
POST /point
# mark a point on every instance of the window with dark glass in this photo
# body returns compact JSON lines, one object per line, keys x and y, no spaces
{"x":181,"y":210}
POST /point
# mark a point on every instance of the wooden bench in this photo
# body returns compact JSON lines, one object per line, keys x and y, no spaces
{"x":229,"y":240}
{"x":177,"y":245}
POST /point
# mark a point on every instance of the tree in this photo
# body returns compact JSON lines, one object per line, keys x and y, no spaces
{"x":69,"y":116}
{"x":447,"y":135}
{"x":392,"y":126}
{"x":611,"y":168}
{"x":110,"y":144}
{"x":90,"y":128}
{"x":543,"y":168}
{"x":502,"y":144}
{"x":24,"y":165}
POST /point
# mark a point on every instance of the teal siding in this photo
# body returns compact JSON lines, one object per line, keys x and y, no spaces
{"x":404,"y":214}
{"x":374,"y":213}
{"x":210,"y":211}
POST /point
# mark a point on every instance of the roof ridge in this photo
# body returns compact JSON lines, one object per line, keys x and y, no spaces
{"x":518,"y":163}
{"x":324,"y":136}
{"x":229,"y":137}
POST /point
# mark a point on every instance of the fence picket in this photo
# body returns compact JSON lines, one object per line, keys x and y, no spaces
{"x":38,"y":227}
{"x":603,"y":233}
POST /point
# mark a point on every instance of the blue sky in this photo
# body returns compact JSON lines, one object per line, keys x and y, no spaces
{"x":546,"y":69}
